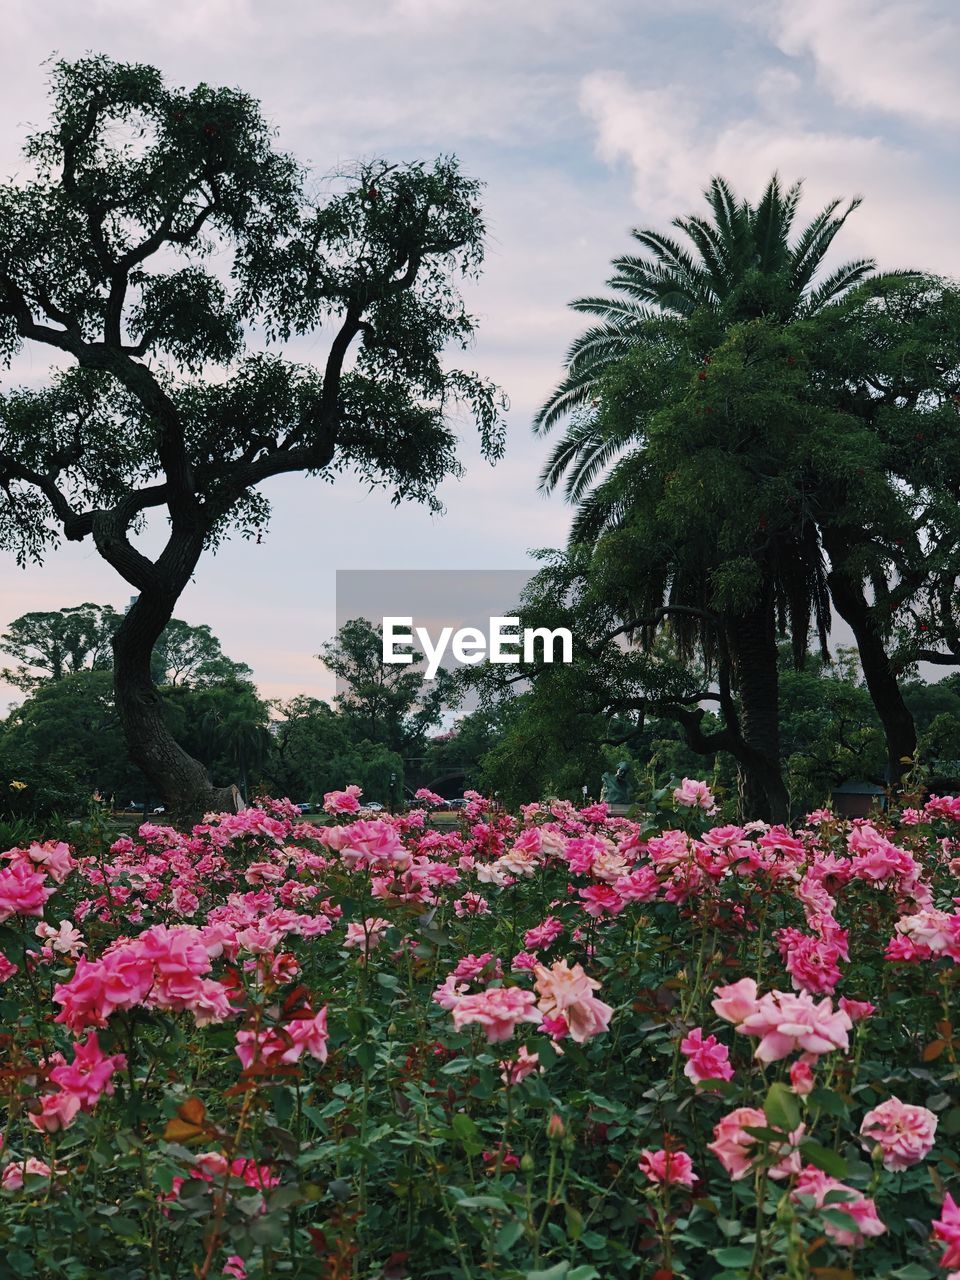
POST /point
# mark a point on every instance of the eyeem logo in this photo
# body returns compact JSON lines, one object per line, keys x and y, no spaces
{"x":503,"y":642}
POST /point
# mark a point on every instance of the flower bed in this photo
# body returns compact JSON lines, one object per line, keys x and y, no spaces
{"x":559,"y":1046}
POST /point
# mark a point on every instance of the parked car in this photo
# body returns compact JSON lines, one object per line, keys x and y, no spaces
{"x":160,"y":809}
{"x":460,"y":803}
{"x":374,"y":806}
{"x":306,"y":806}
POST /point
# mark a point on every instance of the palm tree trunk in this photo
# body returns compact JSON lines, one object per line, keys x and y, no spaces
{"x":753,"y":647}
{"x":881,"y":679}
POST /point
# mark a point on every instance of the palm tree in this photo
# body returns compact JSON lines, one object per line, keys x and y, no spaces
{"x":742,"y":265}
{"x":671,"y":306}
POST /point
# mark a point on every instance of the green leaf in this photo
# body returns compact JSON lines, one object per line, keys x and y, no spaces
{"x":559,"y":1272}
{"x":574,"y":1220}
{"x":482,"y":1202}
{"x":733,"y":1256}
{"x":366,"y":1055}
{"x":829,"y":1101}
{"x":463,"y":1126}
{"x":584,"y":1272}
{"x":781,"y":1107}
{"x":124,"y":1226}
{"x":508,"y":1235}
{"x":829,"y":1161}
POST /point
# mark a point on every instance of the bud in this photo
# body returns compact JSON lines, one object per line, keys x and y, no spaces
{"x":801,"y":1079}
{"x":526,"y":1163}
{"x":555,"y":1128}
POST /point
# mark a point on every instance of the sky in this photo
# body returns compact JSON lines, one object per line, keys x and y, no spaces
{"x":584,"y":121}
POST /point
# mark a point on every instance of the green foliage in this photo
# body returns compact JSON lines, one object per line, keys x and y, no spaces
{"x":383,"y":702}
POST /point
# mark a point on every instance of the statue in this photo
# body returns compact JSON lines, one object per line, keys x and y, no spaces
{"x":617,"y":788}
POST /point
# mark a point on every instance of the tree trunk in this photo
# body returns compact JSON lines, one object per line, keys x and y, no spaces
{"x":895,"y":716}
{"x":752,"y":641}
{"x":181,"y":781}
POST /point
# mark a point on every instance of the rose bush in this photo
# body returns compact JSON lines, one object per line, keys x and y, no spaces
{"x":556,"y":1046}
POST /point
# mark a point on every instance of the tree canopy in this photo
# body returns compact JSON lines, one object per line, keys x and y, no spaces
{"x":158,"y":237}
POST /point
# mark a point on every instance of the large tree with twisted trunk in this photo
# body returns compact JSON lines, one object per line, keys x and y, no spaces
{"x":163,"y":251}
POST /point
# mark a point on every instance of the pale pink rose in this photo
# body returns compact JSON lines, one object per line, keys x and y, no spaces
{"x":737,"y":1001}
{"x":309,"y":1034}
{"x":347,"y":801}
{"x":55,"y":858}
{"x":58,"y":1111}
{"x":904,"y":1133}
{"x":786,"y":1022}
{"x":449,"y":994}
{"x":16,"y":1170}
{"x":472,"y":967}
{"x":66,"y":940}
{"x":525,"y":1064}
{"x":673,"y":1167}
{"x":733,"y":1147}
{"x":366,"y":936}
{"x":498,"y":1010}
{"x":692,"y":794}
{"x":736,"y":1149}
{"x":856,"y":1010}
{"x":928,"y":928}
{"x":861,"y":1211}
{"x":568,"y":993}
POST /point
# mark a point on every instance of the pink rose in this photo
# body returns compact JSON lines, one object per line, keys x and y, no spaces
{"x":861,"y":1211}
{"x":733,"y":1147}
{"x":947,"y":1229}
{"x":904,"y":1133}
{"x":568,"y":993}
{"x":736,"y":1002}
{"x":673,"y":1167}
{"x":706,"y":1059}
{"x":58,"y":1111}
{"x":498,"y":1010}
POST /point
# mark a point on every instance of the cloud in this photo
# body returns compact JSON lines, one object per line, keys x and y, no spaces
{"x":879,"y":54}
{"x":673,"y":147}
{"x":582,"y":120}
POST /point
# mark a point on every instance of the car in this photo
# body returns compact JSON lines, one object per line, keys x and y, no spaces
{"x":306,"y":806}
{"x":461,"y":802}
{"x":160,"y":809}
{"x":374,"y":806}
{"x":137,"y":806}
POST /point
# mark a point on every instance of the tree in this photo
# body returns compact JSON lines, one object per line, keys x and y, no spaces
{"x":64,"y":742}
{"x":225,"y":725}
{"x":191,"y":655}
{"x":308,"y":742}
{"x":48,"y":646}
{"x":51,"y":645}
{"x":390,"y":703}
{"x":726,"y":412}
{"x":106,"y":259}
